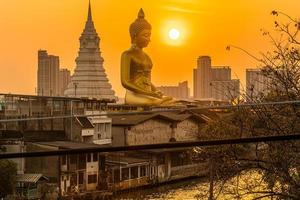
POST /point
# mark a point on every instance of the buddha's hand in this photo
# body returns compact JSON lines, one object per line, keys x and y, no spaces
{"x":158,"y":94}
{"x":167,"y":98}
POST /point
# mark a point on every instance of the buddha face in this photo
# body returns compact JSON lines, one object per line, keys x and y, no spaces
{"x":143,"y":38}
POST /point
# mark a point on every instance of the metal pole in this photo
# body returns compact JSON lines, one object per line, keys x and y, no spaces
{"x":75,"y":88}
{"x":71,"y":120}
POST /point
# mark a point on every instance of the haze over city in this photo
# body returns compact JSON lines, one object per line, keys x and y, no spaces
{"x":205,"y":27}
{"x":165,"y":99}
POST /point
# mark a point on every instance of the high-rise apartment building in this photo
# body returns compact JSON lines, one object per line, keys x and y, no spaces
{"x":179,"y":92}
{"x":202,"y":77}
{"x":256,"y":83}
{"x":64,"y":80}
{"x":48,"y":74}
{"x":214,"y":82}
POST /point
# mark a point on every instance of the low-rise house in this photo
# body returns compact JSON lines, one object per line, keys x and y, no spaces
{"x":172,"y":164}
{"x":95,"y":128}
{"x":81,"y":130}
{"x":141,"y":129}
{"x":76,"y":174}
{"x":155,"y":128}
{"x":127,"y":172}
{"x":164,"y":164}
{"x":102,"y":126}
{"x":29,"y":186}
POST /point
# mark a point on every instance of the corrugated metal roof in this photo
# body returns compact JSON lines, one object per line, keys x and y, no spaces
{"x":30,"y":178}
{"x":126,"y":160}
{"x":131,"y":119}
{"x":70,"y":144}
{"x":123,"y":120}
{"x":85,"y":122}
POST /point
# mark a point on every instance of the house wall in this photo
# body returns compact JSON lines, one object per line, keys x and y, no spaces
{"x":42,"y":164}
{"x":102,"y":127}
{"x":130,"y":181}
{"x":118,"y":135}
{"x":73,"y":130}
{"x":187,"y":130}
{"x":87,"y":132}
{"x":16,"y":147}
{"x":150,"y":132}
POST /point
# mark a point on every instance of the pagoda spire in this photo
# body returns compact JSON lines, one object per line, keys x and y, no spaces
{"x":90,"y":12}
{"x":89,"y":24}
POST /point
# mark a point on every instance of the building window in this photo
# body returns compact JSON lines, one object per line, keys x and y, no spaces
{"x":73,"y":180}
{"x":89,"y":157}
{"x":103,"y":128}
{"x":179,"y":159}
{"x":73,"y":159}
{"x":95,"y":157}
{"x":102,"y":163}
{"x":92,"y":178}
{"x":116,"y":175}
{"x":82,"y":161}
{"x":80,"y":177}
{"x":142,"y":171}
{"x":134,"y":172}
{"x":64,"y":160}
{"x":125,"y":174}
{"x":161,"y":159}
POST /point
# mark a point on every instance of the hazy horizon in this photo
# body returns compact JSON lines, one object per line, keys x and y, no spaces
{"x":206,"y":28}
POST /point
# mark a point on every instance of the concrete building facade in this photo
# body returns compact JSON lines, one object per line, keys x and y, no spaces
{"x":225,"y":90}
{"x":179,"y":92}
{"x":221,"y":73}
{"x":214,"y":82}
{"x":64,"y":80}
{"x":256,"y":83}
{"x":48,"y":74}
{"x":202,"y":77}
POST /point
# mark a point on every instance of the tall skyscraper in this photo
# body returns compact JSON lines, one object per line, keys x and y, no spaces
{"x":202,"y":77}
{"x":48,"y":74}
{"x":179,"y":92}
{"x":64,"y":80}
{"x":256,"y":83}
{"x":89,"y":78}
{"x":214,"y":81}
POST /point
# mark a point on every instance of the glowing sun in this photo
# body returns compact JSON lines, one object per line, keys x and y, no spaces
{"x":174,"y":34}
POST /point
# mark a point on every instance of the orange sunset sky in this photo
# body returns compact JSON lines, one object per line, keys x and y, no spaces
{"x":206,"y":27}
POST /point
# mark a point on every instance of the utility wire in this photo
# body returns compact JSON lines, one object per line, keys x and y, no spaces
{"x":171,"y":145}
{"x":156,"y":109}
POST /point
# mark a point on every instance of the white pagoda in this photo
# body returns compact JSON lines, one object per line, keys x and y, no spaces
{"x":89,"y":79}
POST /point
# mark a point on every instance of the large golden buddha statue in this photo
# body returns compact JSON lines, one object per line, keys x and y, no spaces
{"x":136,"y":67}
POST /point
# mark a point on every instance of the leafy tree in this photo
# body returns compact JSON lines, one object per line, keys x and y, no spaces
{"x":275,"y":166}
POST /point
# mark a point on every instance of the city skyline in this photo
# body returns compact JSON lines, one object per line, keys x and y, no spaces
{"x":204,"y":26}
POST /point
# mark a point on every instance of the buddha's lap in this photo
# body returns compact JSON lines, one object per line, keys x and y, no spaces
{"x":135,"y":98}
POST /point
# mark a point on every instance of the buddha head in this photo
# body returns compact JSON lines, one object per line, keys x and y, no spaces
{"x":140,"y":31}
